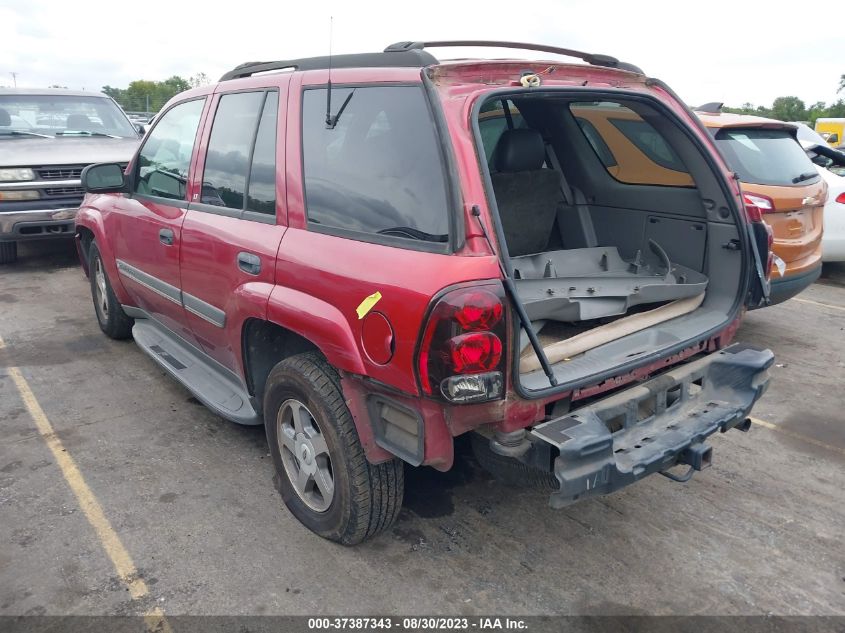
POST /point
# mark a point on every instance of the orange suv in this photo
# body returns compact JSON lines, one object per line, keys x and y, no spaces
{"x":779,"y":180}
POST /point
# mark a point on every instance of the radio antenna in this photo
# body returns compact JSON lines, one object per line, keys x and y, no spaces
{"x":329,"y":90}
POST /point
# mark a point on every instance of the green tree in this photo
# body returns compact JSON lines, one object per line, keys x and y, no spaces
{"x":200,"y":79}
{"x":818,"y":109}
{"x":841,"y":84}
{"x":789,"y":109}
{"x":143,"y":95}
{"x":836,"y":109}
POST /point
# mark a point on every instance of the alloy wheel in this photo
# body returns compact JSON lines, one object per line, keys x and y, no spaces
{"x":305,"y":455}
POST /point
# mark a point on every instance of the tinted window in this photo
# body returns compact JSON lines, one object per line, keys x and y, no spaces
{"x":227,"y":160}
{"x":649,"y":142}
{"x":596,"y":142}
{"x":262,"y":174}
{"x":492,"y":123}
{"x":766,"y":157}
{"x":379,"y":170}
{"x":166,"y":155}
{"x":628,"y":146}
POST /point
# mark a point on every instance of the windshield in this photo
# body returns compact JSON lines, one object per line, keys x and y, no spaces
{"x":766,"y":157}
{"x":62,"y":115}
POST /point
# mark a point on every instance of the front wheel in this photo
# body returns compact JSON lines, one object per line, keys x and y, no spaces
{"x":113,"y":321}
{"x":321,"y":471}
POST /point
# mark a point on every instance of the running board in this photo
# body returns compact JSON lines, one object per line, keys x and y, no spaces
{"x":212,"y":385}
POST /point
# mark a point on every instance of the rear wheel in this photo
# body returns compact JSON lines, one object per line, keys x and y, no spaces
{"x":321,"y":471}
{"x":8,"y":252}
{"x":110,"y":315}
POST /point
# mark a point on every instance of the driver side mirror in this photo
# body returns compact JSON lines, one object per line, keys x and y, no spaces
{"x":103,"y":178}
{"x":140,"y":129}
{"x":833,"y":138}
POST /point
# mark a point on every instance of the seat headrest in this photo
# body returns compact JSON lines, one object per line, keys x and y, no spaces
{"x":77,"y":122}
{"x":519,"y":150}
{"x":5,"y":118}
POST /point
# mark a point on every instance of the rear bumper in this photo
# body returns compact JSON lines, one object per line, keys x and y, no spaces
{"x":787,"y":287}
{"x":661,"y":423}
{"x":37,"y":224}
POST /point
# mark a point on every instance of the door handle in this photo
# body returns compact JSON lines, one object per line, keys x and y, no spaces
{"x":249,"y":263}
{"x":165,"y":236}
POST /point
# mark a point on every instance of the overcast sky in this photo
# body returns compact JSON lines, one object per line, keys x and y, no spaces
{"x":736,"y":52}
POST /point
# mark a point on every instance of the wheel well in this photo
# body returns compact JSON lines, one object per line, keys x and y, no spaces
{"x":265,"y":344}
{"x":86,"y":236}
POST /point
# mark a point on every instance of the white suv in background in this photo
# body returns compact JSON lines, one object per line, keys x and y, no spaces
{"x":831,"y":165}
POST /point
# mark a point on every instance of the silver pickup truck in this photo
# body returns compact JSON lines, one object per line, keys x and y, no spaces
{"x":46,"y":138}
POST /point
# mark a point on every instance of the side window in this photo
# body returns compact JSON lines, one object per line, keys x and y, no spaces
{"x":597,"y":142}
{"x":166,"y":155}
{"x":262,"y":174}
{"x":628,"y":146}
{"x":649,"y":142}
{"x":379,"y":170}
{"x":492,"y":122}
{"x":227,"y":159}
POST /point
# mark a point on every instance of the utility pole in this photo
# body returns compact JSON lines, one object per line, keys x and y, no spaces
{"x":15,"y":78}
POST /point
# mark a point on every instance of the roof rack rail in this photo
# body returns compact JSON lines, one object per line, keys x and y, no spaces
{"x":412,"y":58}
{"x":713,"y":107}
{"x":594,"y":59}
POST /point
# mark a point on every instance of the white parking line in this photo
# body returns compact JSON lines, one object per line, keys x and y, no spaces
{"x":797,"y":436}
{"x":819,"y":303}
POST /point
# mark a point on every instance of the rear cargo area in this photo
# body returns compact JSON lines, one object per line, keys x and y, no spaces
{"x":620,"y":239}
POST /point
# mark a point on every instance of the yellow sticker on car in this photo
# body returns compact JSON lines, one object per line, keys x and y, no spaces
{"x":367,"y":304}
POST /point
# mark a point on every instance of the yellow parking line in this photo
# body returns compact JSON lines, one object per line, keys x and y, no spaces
{"x":127,"y":572}
{"x":797,"y":436}
{"x":819,"y":303}
{"x":155,"y":622}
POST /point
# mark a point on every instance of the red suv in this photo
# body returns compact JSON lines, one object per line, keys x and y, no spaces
{"x":373,"y":254}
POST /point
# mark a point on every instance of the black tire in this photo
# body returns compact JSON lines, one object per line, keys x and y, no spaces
{"x":366,"y":498}
{"x":110,"y":315}
{"x":509,"y":470}
{"x":8,"y":252}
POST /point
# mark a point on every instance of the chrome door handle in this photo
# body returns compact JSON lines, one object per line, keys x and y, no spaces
{"x":165,"y":236}
{"x":249,"y":263}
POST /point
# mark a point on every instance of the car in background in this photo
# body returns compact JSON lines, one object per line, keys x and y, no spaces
{"x":833,"y":172}
{"x":831,"y":165}
{"x":780,"y":182}
{"x":140,"y":117}
{"x":47,"y":137}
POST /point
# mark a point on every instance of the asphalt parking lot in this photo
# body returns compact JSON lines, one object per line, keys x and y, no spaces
{"x":189,"y":499}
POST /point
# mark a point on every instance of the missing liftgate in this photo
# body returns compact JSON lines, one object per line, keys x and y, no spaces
{"x":608,"y":212}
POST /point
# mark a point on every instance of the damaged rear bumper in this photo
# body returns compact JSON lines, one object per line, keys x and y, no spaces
{"x":655,"y":425}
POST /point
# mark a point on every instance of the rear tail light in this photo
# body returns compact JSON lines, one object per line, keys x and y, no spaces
{"x":841,"y":198}
{"x":756,"y":206}
{"x":462,"y":351}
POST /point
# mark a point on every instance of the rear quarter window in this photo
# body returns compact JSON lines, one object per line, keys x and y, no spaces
{"x":629,"y":147}
{"x":379,"y":171}
{"x":650,"y":143}
{"x":766,"y":156}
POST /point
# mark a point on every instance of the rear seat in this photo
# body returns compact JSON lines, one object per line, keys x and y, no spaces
{"x":527,"y":195}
